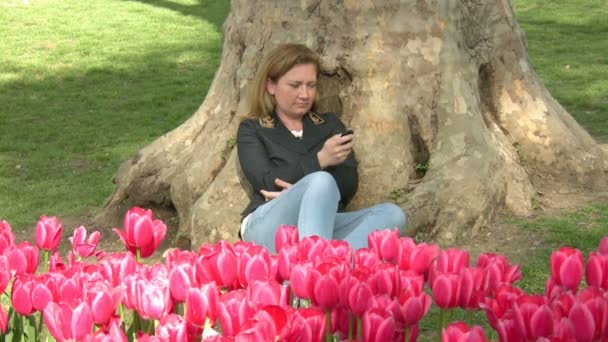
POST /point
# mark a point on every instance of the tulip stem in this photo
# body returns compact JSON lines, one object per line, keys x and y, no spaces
{"x":45,"y":265}
{"x":359,"y":329}
{"x":23,"y":329}
{"x":328,"y":337}
{"x":442,"y":317}
{"x":407,"y":334}
{"x":137,"y":255}
{"x":350,"y":326}
{"x":39,"y":330}
{"x":469,"y":317}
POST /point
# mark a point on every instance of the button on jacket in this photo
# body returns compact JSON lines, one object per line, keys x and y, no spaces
{"x":268,"y":150}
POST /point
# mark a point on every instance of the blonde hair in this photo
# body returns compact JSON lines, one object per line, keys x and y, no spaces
{"x":276,"y":64}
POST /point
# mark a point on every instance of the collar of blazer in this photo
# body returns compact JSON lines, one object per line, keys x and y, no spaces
{"x":316,"y":128}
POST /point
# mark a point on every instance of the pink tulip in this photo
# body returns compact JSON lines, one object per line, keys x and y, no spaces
{"x":583,"y":323}
{"x":262,"y":293}
{"x":201,"y":304}
{"x":104,"y":300}
{"x":286,"y":257}
{"x":300,"y":280}
{"x":445,"y":290}
{"x":154,"y":300}
{"x":324,"y":282}
{"x":497,"y":270}
{"x":23,"y":258}
{"x":460,"y":331}
{"x":48,"y":233}
{"x":597,"y":304}
{"x":359,"y":296}
{"x":181,"y":277}
{"x":311,"y":248}
{"x":141,"y":232}
{"x":385,"y":243}
{"x":414,"y":307}
{"x":253,"y":265}
{"x":65,"y":323}
{"x":470,"y":288}
{"x":172,"y":328}
{"x":114,"y":333}
{"x":233,"y":311}
{"x":567,"y":267}
{"x":417,"y":258}
{"x":378,"y":326}
{"x":384,"y":279}
{"x":596,"y":272}
{"x":7,"y":237}
{"x":21,"y":295}
{"x":367,"y":258}
{"x":82,"y":246}
{"x":307,"y":324}
{"x":451,"y":260}
{"x":117,"y":266}
{"x":500,"y":305}
{"x":5,"y":277}
{"x":286,"y":236}
{"x":534,"y":318}
{"x":603,"y":246}
{"x":219,"y":265}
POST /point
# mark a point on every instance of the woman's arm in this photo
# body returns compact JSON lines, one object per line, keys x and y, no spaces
{"x":259,"y":169}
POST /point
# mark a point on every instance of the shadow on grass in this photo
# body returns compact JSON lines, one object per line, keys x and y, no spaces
{"x":209,"y":10}
{"x":63,"y":136}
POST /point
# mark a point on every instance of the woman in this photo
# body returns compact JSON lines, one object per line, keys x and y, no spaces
{"x":300,"y":164}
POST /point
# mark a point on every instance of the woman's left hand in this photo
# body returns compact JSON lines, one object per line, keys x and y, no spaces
{"x":269,"y":195}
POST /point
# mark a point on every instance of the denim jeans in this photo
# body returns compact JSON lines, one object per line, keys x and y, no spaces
{"x":311,"y":204}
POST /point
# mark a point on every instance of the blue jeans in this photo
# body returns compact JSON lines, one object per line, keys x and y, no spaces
{"x":311,"y":204}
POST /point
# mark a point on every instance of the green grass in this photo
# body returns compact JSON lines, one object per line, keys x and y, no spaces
{"x":568,"y":46}
{"x":85,"y":84}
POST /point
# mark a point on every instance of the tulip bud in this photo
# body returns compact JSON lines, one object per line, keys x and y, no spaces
{"x":460,"y":331}
{"x":7,"y":237}
{"x":82,"y":246}
{"x":285,"y":236}
{"x":567,"y":267}
{"x":48,"y":233}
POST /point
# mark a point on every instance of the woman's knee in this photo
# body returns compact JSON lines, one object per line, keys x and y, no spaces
{"x":393,"y":216}
{"x":322,"y":180}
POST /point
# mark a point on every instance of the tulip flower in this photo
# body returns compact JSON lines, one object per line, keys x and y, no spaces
{"x":286,"y":257}
{"x":172,"y":327}
{"x":384,"y":279}
{"x":451,"y":260}
{"x":460,"y":331}
{"x":583,"y":322}
{"x":103,"y":300}
{"x":48,"y":233}
{"x":497,"y":270}
{"x":5,"y":277}
{"x":378,"y":326}
{"x":66,"y":323}
{"x":21,"y":295}
{"x":201,"y":304}
{"x":603,"y":246}
{"x":596,"y":272}
{"x":23,"y":258}
{"x":7,"y":237}
{"x":142,"y":233}
{"x":154,"y":300}
{"x":233,"y":311}
{"x":300,"y":281}
{"x":307,"y":324}
{"x":220,"y":266}
{"x":359,"y":296}
{"x":181,"y":278}
{"x":417,"y":258}
{"x":567,"y":267}
{"x":82,"y":246}
{"x":285,"y":236}
{"x":414,"y":307}
{"x":445,"y":290}
{"x":253,"y":265}
{"x":597,"y":304}
{"x":385,"y":243}
{"x":534,"y":318}
{"x":117,"y":266}
{"x":470,"y":288}
{"x":367,"y":258}
{"x":311,"y":248}
{"x":262,"y":293}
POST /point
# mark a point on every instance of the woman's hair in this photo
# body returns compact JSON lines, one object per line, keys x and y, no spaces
{"x":276,"y":64}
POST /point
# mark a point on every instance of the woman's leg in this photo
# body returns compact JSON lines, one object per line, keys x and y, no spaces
{"x":354,"y":227}
{"x":310,"y":204}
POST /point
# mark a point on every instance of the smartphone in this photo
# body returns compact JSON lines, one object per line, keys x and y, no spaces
{"x":347,"y":132}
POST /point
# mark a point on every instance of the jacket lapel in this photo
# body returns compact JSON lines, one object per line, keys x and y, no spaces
{"x":316,"y":129}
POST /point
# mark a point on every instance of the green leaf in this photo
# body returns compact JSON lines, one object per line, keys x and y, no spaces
{"x":30,"y":330}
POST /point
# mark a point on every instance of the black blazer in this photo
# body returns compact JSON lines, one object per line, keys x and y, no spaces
{"x":268,"y":150}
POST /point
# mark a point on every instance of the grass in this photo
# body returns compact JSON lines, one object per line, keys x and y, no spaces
{"x":85,"y":84}
{"x":568,"y":48}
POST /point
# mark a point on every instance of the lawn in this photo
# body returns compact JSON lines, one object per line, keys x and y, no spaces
{"x":85,"y":84}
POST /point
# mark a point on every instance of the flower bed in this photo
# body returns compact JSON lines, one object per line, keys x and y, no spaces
{"x":311,"y":290}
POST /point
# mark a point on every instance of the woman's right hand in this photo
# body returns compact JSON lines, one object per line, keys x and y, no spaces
{"x":335,"y":150}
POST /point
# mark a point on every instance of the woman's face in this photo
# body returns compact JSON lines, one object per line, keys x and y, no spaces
{"x":295,"y":91}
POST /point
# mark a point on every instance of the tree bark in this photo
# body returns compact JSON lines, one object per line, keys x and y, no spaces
{"x":450,"y":120}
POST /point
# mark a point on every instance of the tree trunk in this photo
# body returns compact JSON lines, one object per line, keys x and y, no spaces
{"x":450,"y":120}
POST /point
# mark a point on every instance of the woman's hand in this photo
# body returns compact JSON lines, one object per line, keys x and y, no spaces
{"x":274,"y":194}
{"x":335,"y":150}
